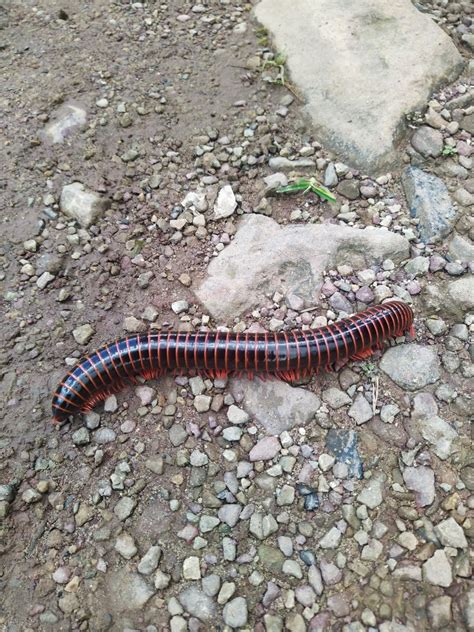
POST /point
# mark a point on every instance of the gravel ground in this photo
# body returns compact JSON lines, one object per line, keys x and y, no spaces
{"x":183,"y":504}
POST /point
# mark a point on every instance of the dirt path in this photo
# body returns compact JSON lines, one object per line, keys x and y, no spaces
{"x":176,"y":101}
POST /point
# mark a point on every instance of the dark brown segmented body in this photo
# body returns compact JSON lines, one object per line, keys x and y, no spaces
{"x":288,"y":355}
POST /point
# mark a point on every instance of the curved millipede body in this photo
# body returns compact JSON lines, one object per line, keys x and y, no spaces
{"x":286,"y":355}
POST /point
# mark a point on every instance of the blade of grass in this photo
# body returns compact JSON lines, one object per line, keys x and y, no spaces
{"x":306,"y":186}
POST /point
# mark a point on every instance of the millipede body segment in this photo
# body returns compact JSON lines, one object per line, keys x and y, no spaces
{"x":286,"y":355}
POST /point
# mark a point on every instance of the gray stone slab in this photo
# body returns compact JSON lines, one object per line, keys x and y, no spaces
{"x":429,"y":201}
{"x":361,"y":66}
{"x":275,"y":405}
{"x":265,"y":257}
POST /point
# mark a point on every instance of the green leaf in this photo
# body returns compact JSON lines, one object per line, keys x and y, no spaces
{"x":293,"y":188}
{"x":324,"y":193}
{"x":308,"y":185}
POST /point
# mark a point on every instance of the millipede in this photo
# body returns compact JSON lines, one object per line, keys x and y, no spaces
{"x":287,"y":355}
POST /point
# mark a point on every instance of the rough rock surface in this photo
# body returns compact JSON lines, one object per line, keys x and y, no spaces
{"x":265,"y":257}
{"x":128,"y":591}
{"x":68,"y":119}
{"x":401,"y":56}
{"x":420,"y":480}
{"x":81,"y":204}
{"x":411,"y":366}
{"x":275,"y":405}
{"x":461,"y":249}
{"x":429,"y":201}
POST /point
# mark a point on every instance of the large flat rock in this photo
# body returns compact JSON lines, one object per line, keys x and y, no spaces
{"x":265,"y":257}
{"x":361,"y":67}
{"x":275,"y":405}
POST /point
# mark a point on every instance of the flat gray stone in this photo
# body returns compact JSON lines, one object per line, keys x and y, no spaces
{"x":265,"y":449}
{"x":453,"y":299}
{"x":225,"y":204}
{"x":127,"y":591}
{"x":275,"y":405}
{"x":197,"y":603}
{"x":428,"y":141}
{"x":439,"y":434}
{"x":411,"y":366}
{"x":437,"y":570}
{"x":461,"y":249}
{"x":429,"y":201}
{"x":361,"y":411}
{"x":149,"y":562}
{"x":375,"y":62}
{"x":421,"y":481}
{"x":235,"y":613}
{"x":439,"y":612}
{"x":125,"y":507}
{"x":372,"y":494}
{"x":265,"y":257}
{"x":461,"y":295}
{"x":450,"y":533}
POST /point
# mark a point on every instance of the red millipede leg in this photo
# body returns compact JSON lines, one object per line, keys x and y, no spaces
{"x":362,"y":354}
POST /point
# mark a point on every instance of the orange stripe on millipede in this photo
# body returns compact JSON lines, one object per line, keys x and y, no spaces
{"x":398,"y":316}
{"x":336,"y":346}
{"x":277,"y":350}
{"x":392,"y":319}
{"x":385,"y":325}
{"x":186,"y":347}
{"x":298,"y":353}
{"x":382,"y":321}
{"x":132,"y":363}
{"x":288,"y":359}
{"x":354,"y":320}
{"x":314,"y":333}
{"x":343,"y":338}
{"x":69,"y":401}
{"x":168,"y":350}
{"x":399,"y":313}
{"x":140,"y":356}
{"x":255,"y":355}
{"x":246,"y":352}
{"x":150,"y":363}
{"x":308,"y":349}
{"x":196,"y":347}
{"x":364,"y":319}
{"x":73,"y":390}
{"x":99,"y":353}
{"x":96,"y":372}
{"x":328,"y":350}
{"x":236,"y":361}
{"x":107,"y":348}
{"x":64,"y":410}
{"x":120,"y":355}
{"x":372,"y":322}
{"x":176,"y":350}
{"x":216,"y":349}
{"x":226,"y":352}
{"x":378,"y":317}
{"x":406,"y":314}
{"x":158,"y":352}
{"x":265,"y":350}
{"x":206,"y":339}
{"x":348,"y":324}
{"x":78,"y":379}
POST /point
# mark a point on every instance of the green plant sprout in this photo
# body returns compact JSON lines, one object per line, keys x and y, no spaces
{"x":449,"y":150}
{"x":307,"y":186}
{"x":279,"y":63}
